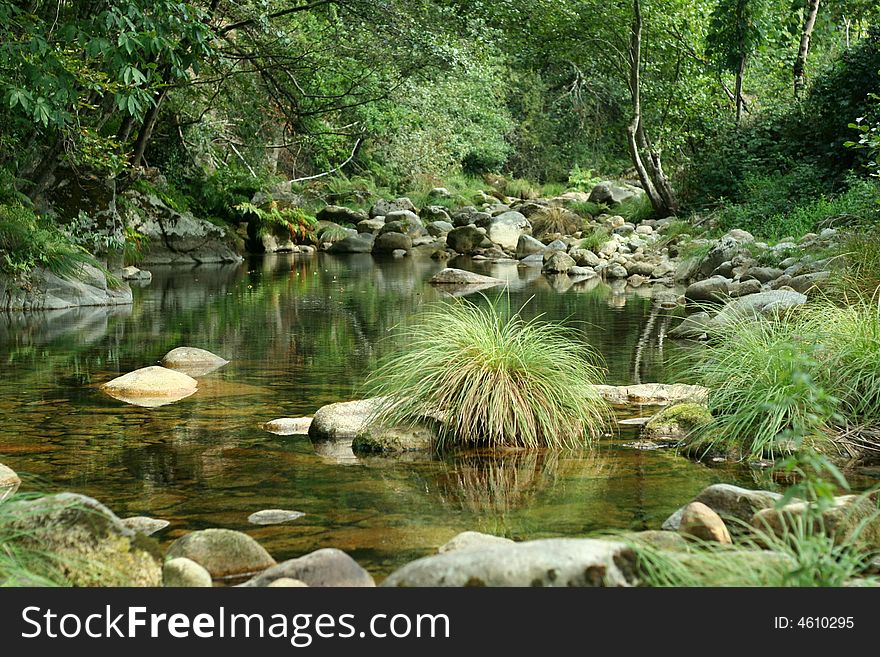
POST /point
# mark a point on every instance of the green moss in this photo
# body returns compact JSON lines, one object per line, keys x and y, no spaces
{"x":677,"y":421}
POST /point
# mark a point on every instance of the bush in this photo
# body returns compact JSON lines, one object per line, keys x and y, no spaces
{"x":493,"y":379}
{"x":28,"y":241}
{"x":555,"y":220}
{"x":595,"y":240}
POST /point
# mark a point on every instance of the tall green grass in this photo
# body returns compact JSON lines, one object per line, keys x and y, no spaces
{"x":555,"y":220}
{"x":493,"y":378}
{"x":21,"y":563}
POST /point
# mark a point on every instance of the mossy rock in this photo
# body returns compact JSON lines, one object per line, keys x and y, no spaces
{"x":394,"y":440}
{"x":677,"y":422}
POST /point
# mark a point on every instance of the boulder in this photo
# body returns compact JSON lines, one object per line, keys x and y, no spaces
{"x":694,"y":327}
{"x":558,"y":262}
{"x":91,"y":545}
{"x":851,"y":518}
{"x":710,"y":290}
{"x":702,"y":523}
{"x":385,"y":440}
{"x":151,"y":386}
{"x":383,"y":208}
{"x":770,"y":304}
{"x":505,"y":229}
{"x":43,"y":290}
{"x":185,"y":573}
{"x":547,"y":562}
{"x":322,"y":568}
{"x":585,"y":257}
{"x":287,"y":583}
{"x":581,"y":272}
{"x":527,"y":245}
{"x":676,"y":422}
{"x":730,"y":501}
{"x":465,"y":239}
{"x":431,"y":213}
{"x":404,"y":221}
{"x":654,"y":393}
{"x":615,"y":271}
{"x":193,"y":361}
{"x":744,"y":288}
{"x":274,"y":516}
{"x":439,"y":228}
{"x":670,"y":541}
{"x":9,"y":482}
{"x":341,"y":215}
{"x":145,"y":525}
{"x":612,"y":193}
{"x":289,"y":426}
{"x":371,"y":226}
{"x":343,"y":419}
{"x":362,"y":243}
{"x":451,"y":276}
{"x":762,"y":274}
{"x":806,"y":283}
{"x":388,"y":242}
{"x":135,"y":274}
{"x":472,"y":541}
{"x":724,"y":250}
{"x":222,"y":552}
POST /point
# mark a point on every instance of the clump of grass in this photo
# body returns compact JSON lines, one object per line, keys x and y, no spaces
{"x":493,"y":379}
{"x":22,"y":564}
{"x":28,"y":241}
{"x":860,"y":252}
{"x":675,"y":231}
{"x":521,"y":189}
{"x":555,"y":220}
{"x":587,"y":209}
{"x":635,"y":209}
{"x":595,"y":240}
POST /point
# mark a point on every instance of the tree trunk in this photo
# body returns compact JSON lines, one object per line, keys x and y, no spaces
{"x":143,"y":138}
{"x":800,"y":64}
{"x":738,"y":92}
{"x":649,"y":169}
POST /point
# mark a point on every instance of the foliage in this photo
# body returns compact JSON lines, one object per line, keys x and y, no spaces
{"x":28,"y":240}
{"x":583,"y":180}
{"x":294,"y":221}
{"x":21,"y":565}
{"x":555,"y":220}
{"x":595,"y":240}
{"x":492,"y":378}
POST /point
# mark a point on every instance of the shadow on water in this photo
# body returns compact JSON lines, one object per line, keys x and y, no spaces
{"x":302,"y":332}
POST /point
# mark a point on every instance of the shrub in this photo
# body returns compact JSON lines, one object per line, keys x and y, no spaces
{"x":635,"y":209}
{"x":522,"y":189}
{"x":493,"y":378}
{"x":28,"y":241}
{"x":555,"y":220}
{"x":595,"y":240}
{"x":295,"y":221}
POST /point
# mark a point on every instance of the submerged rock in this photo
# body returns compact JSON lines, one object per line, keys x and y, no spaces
{"x":144,"y":525}
{"x":289,"y":426}
{"x":91,"y":544}
{"x":677,"y":421}
{"x":547,"y":562}
{"x":151,"y":386}
{"x":9,"y":482}
{"x":385,"y":440}
{"x":222,"y":552}
{"x":185,"y":573}
{"x":274,"y":516}
{"x":325,"y":567}
{"x":193,"y":361}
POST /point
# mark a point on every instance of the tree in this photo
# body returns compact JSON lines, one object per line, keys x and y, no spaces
{"x":800,"y":64}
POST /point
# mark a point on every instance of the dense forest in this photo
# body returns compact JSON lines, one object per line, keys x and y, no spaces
{"x":758,"y":111}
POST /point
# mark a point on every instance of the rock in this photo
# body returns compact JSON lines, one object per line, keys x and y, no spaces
{"x":547,"y":562}
{"x":770,"y":304}
{"x":852,"y":517}
{"x":472,"y":541}
{"x":274,"y":516}
{"x":388,"y":242}
{"x":724,"y":250}
{"x":399,"y":253}
{"x":151,"y":386}
{"x":383,"y":208}
{"x":609,"y":248}
{"x":640,"y":267}
{"x":581,"y":272}
{"x":287,"y":583}
{"x":343,"y":419}
{"x":694,"y":327}
{"x":536,"y":261}
{"x":762,"y":274}
{"x":273,"y":244}
{"x":527,"y":245}
{"x":711,"y":290}
{"x":439,"y":228}
{"x":325,"y":567}
{"x":43,"y":290}
{"x":654,"y":393}
{"x":145,"y":525}
{"x":744,"y":288}
{"x":341,"y":215}
{"x":439,"y":192}
{"x":465,"y":239}
{"x":193,"y":361}
{"x":362,"y":243}
{"x":611,"y":193}
{"x":222,"y":552}
{"x":558,"y":262}
{"x":616,"y":271}
{"x":174,"y":237}
{"x":289,"y":426}
{"x":185,"y":573}
{"x":371,"y":226}
{"x":659,"y":539}
{"x":676,"y":422}
{"x":505,"y":229}
{"x":135,"y":274}
{"x":92,"y":545}
{"x":557,"y":245}
{"x":9,"y":482}
{"x":730,"y":501}
{"x":673,"y":522}
{"x":701,"y":522}
{"x":806,"y":283}
{"x":461,"y":277}
{"x":385,"y":440}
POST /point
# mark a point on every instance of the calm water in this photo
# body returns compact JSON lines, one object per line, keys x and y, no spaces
{"x":302,"y":332}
